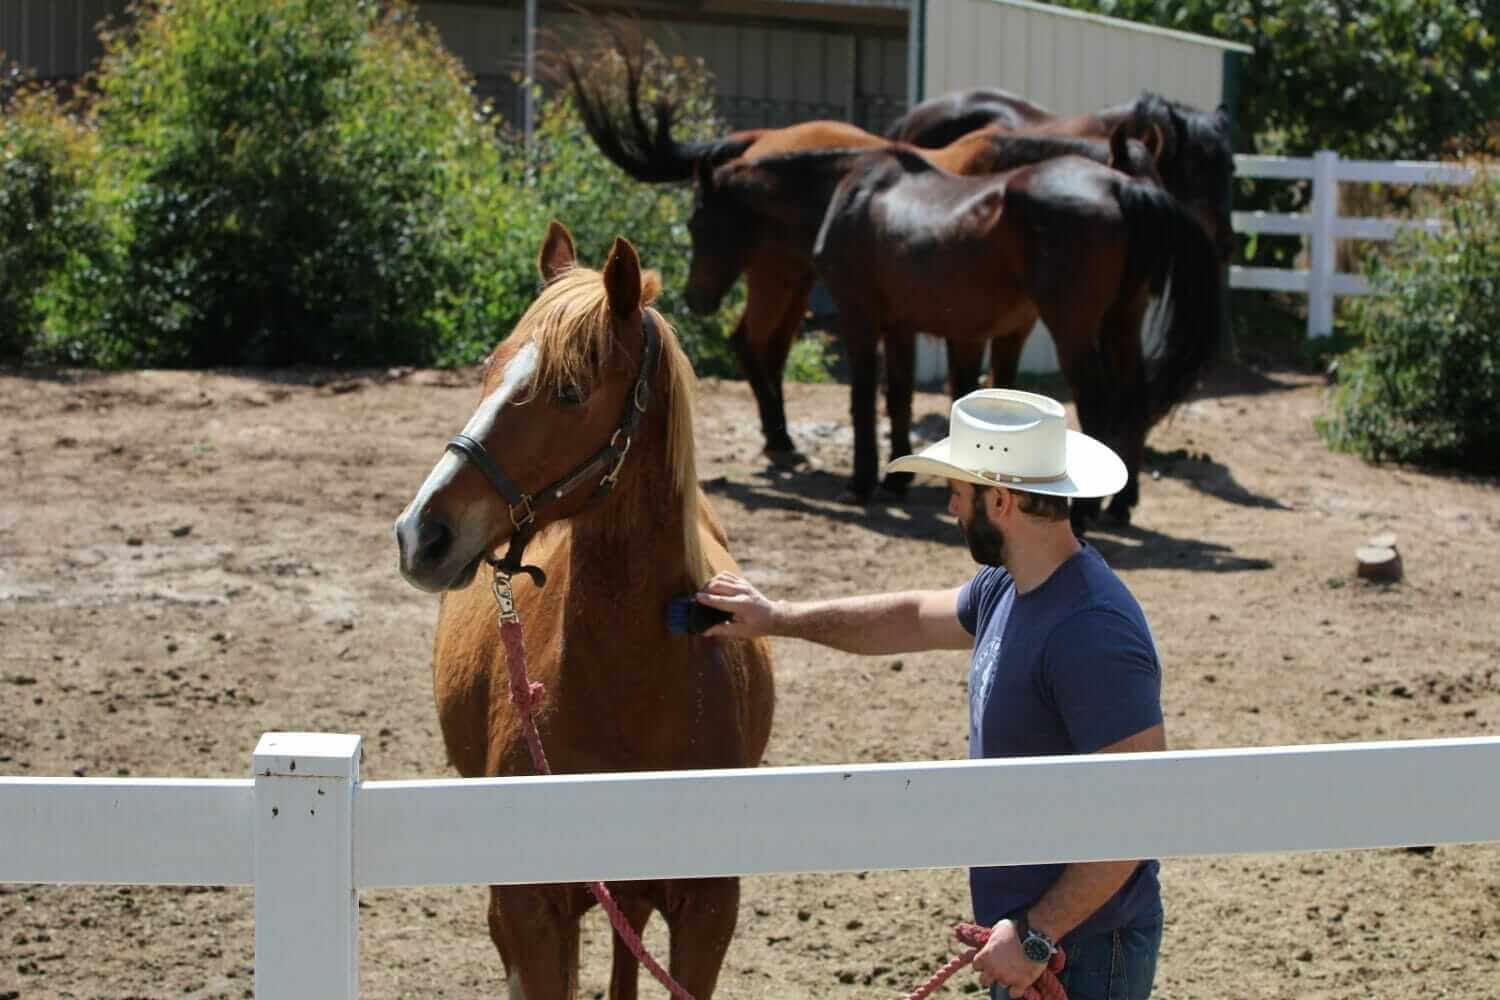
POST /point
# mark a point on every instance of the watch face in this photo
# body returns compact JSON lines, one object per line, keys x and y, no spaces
{"x":1035,"y":949}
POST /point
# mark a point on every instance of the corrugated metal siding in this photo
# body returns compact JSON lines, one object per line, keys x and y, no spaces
{"x":1067,"y":64}
{"x":766,"y":76}
{"x":54,"y":37}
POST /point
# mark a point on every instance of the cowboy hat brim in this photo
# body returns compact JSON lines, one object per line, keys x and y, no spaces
{"x":1093,"y":470}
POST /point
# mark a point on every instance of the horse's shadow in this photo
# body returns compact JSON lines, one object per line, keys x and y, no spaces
{"x":1134,"y":547}
{"x":922,"y":514}
{"x":1206,"y":476}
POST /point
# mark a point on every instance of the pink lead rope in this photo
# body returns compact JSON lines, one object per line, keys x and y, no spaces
{"x":523,"y":692}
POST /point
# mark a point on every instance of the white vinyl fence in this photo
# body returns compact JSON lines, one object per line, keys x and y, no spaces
{"x":308,"y":834}
{"x":1324,"y":227}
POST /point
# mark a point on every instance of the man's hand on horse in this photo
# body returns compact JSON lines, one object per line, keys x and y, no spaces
{"x":1000,"y":961}
{"x":734,"y":594}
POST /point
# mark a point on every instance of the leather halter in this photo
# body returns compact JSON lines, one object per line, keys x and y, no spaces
{"x":524,"y":506}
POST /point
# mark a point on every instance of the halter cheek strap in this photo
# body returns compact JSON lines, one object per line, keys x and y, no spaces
{"x":605,"y":463}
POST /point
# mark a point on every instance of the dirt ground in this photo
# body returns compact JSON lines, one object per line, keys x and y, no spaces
{"x":189,"y":560}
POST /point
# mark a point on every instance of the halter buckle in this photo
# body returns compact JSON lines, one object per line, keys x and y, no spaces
{"x":525,"y":504}
{"x":642,"y":390}
{"x":613,"y":476}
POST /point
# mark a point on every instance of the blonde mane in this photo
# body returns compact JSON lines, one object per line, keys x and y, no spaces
{"x":573,"y":328}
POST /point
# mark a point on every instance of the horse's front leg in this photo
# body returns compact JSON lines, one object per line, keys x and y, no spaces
{"x":535,"y":929}
{"x":701,"y":914}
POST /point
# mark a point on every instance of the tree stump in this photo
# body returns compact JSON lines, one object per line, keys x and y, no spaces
{"x":1378,"y":563}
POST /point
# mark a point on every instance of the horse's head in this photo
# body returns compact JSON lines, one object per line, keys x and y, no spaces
{"x":722,"y":227}
{"x":561,"y":397}
{"x":1196,"y":163}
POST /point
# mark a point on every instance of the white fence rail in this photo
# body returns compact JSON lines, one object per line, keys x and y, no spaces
{"x":308,"y":834}
{"x":1324,"y":227}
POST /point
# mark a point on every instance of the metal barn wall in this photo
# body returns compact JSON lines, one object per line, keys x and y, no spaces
{"x":766,"y":75}
{"x":56,"y":38}
{"x":1068,"y":62}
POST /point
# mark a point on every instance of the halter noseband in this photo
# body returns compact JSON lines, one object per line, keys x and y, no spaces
{"x":524,"y":506}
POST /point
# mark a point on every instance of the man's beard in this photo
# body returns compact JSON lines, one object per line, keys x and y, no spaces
{"x":986,"y":543}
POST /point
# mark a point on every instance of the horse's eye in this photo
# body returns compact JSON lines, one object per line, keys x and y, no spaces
{"x":570,"y":395}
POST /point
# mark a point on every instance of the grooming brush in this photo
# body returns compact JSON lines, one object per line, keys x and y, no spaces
{"x":685,"y":616}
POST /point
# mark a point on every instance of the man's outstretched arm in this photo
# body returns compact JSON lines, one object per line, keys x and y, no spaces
{"x":902,"y":622}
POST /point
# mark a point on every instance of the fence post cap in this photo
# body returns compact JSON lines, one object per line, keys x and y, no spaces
{"x":308,"y":755}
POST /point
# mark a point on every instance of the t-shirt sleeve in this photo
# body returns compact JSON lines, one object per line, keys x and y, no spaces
{"x":981,"y":590}
{"x":1102,"y":672}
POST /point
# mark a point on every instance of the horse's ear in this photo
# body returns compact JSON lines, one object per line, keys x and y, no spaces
{"x":558,"y":253}
{"x":622,"y":278}
{"x":1154,"y":141}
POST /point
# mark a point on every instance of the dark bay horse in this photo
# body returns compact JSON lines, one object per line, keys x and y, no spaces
{"x":1196,"y":160}
{"x":907,"y":247}
{"x":737,"y":228}
{"x":617,"y":541}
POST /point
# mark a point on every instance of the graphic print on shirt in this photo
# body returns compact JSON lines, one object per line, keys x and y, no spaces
{"x":982,"y":670}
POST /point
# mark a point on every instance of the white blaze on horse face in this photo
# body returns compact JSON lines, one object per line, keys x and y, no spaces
{"x":518,"y":376}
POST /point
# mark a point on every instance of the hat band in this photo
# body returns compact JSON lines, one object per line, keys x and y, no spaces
{"x":1003,"y":477}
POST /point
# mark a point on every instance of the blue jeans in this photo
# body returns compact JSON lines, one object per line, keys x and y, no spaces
{"x":1114,"y":965}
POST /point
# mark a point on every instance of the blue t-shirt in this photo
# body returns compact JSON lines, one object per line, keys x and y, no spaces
{"x":1067,"y":668}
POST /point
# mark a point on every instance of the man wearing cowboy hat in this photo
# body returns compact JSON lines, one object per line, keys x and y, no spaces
{"x":1063,"y":662}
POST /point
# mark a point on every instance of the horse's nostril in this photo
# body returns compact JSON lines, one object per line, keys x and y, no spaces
{"x":433,"y":542}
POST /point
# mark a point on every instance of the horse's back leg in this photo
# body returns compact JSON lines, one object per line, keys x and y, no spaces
{"x":1075,"y":331}
{"x":965,"y":358}
{"x":701,"y":914}
{"x":1005,"y":355}
{"x":900,"y":384}
{"x":623,"y":971}
{"x":1121,"y":336}
{"x":762,"y":340}
{"x":860,"y":336}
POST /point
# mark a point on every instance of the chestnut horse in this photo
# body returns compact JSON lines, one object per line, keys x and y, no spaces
{"x":622,"y":530}
{"x":774,"y":251}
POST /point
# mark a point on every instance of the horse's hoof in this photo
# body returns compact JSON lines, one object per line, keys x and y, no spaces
{"x":1120,"y":516}
{"x":855,"y":495}
{"x":786,"y":458}
{"x":896,"y":484}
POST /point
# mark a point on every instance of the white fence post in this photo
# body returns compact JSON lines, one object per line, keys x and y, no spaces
{"x":306,"y":905}
{"x":1321,"y":268}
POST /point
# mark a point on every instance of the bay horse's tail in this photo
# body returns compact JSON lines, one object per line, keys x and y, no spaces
{"x":1171,"y":250}
{"x":646,"y":152}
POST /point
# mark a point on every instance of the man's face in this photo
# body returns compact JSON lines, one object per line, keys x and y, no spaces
{"x":986,"y":543}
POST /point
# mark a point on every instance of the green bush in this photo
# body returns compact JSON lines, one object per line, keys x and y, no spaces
{"x":1424,"y":386}
{"x":43,"y":208}
{"x":287,"y":181}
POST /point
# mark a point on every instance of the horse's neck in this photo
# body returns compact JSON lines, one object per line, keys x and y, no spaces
{"x":638,"y":539}
{"x":800,"y":195}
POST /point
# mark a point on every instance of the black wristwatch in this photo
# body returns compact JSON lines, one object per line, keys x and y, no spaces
{"x":1036,"y":946}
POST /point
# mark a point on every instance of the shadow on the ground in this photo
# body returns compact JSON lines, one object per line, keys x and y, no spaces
{"x":923,"y":515}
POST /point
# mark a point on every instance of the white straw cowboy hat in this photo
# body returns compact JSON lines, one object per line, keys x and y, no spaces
{"x":1005,"y":437}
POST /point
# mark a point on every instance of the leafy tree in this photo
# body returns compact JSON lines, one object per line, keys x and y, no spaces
{"x":288,"y":181}
{"x":1383,"y":79}
{"x":44,"y":211}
